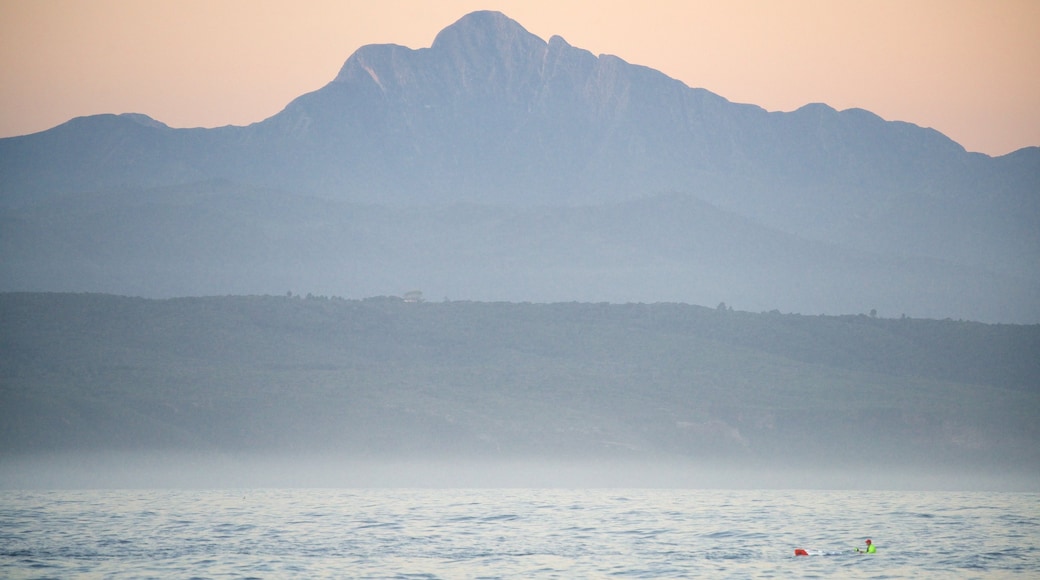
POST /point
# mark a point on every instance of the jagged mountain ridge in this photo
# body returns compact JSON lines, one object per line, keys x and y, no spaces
{"x":488,"y":92}
{"x":492,"y":114}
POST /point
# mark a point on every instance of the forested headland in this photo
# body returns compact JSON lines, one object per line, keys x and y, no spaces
{"x":386,"y":377}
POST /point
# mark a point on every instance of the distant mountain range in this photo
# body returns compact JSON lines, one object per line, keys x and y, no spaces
{"x":496,"y":165}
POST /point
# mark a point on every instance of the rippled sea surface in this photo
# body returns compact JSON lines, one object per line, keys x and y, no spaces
{"x":515,"y":533}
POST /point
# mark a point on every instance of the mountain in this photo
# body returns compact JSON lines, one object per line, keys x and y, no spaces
{"x":494,"y":116}
{"x":220,"y":238}
{"x":391,"y":380}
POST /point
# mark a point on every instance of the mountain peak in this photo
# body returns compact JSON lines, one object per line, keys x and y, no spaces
{"x":476,"y":44}
{"x":483,"y":23}
{"x":484,"y":31}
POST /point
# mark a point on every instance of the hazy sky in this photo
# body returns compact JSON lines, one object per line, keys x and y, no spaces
{"x":968,"y":68}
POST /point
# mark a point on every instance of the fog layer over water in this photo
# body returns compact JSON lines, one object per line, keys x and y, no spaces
{"x":224,"y":471}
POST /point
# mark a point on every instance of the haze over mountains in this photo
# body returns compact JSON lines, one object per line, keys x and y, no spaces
{"x":497,"y":166}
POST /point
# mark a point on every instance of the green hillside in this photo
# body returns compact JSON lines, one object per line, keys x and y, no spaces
{"x":384,"y":377}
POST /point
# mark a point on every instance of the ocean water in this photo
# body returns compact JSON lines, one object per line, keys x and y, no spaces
{"x":515,"y":533}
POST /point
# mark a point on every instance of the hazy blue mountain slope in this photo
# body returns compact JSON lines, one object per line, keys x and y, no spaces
{"x":488,"y":108}
{"x":219,"y":238}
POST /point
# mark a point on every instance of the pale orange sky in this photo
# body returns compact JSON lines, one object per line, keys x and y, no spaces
{"x":968,"y":68}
